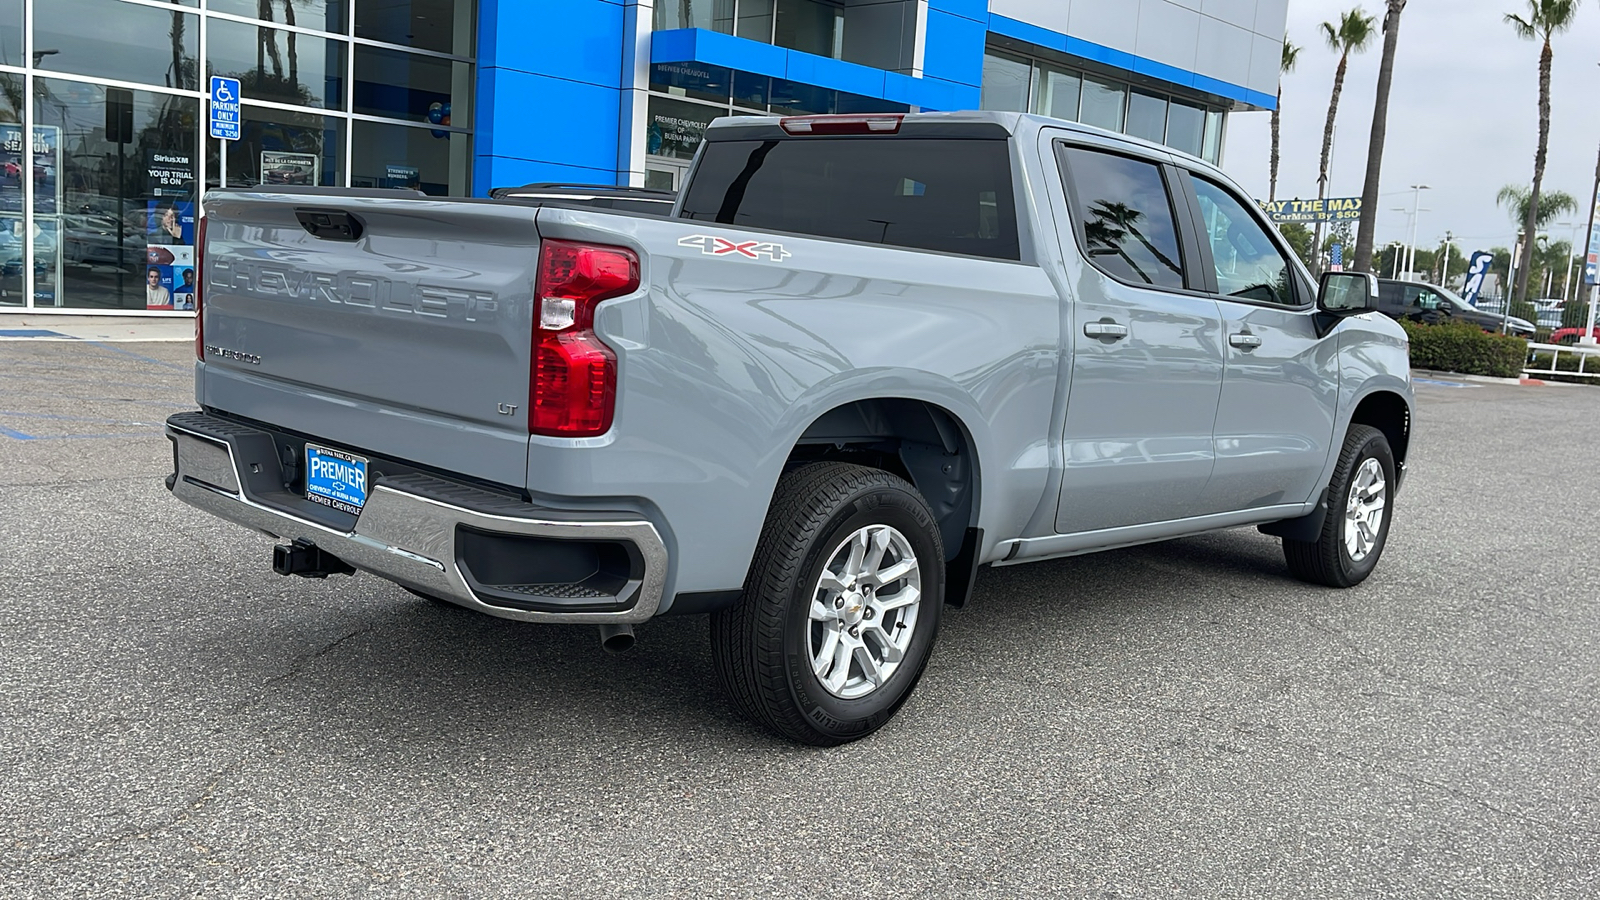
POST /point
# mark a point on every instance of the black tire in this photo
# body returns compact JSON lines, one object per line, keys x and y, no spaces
{"x":760,"y":646}
{"x":1327,"y":561}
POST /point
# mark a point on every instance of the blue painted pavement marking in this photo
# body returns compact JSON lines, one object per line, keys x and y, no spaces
{"x":29,"y":332}
{"x":1449,"y":384}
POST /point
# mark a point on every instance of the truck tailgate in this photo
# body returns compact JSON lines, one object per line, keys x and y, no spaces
{"x":412,"y":339}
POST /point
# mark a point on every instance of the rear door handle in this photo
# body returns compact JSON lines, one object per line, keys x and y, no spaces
{"x":1105,"y":328}
{"x":1244,"y":340}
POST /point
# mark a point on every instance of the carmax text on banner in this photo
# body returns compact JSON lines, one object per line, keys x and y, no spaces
{"x":1333,"y":209}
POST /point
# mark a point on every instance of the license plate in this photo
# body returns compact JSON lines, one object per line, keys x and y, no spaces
{"x":336,"y":479}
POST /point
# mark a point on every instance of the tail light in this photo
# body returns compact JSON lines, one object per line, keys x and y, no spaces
{"x":884,"y":123}
{"x":573,"y":391}
{"x":199,"y":290}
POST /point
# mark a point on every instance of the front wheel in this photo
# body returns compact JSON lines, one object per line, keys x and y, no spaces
{"x":840,"y":609}
{"x":1360,"y":501}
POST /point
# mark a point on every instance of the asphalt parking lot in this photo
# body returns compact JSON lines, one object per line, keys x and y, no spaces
{"x":1178,"y":720}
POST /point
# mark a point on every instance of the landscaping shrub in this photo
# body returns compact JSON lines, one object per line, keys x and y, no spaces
{"x":1565,"y":362}
{"x":1464,"y":348}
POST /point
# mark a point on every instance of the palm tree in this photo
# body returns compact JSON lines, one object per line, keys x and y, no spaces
{"x":1291,"y":56}
{"x":1518,"y":201}
{"x":1367,"y":232}
{"x":1545,"y":19}
{"x":1351,"y":35}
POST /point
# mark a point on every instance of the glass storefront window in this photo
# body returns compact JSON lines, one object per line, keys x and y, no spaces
{"x":1005,"y":83}
{"x":406,"y":86}
{"x":677,"y":128}
{"x":323,"y":15}
{"x":696,"y":80}
{"x":444,"y":26}
{"x":810,"y":26}
{"x":114,"y":187}
{"x":712,"y":15}
{"x":755,"y":20}
{"x":1055,"y":93}
{"x":123,"y":41}
{"x":1186,"y":127}
{"x":1147,"y":116}
{"x":11,"y":33}
{"x":1212,"y":151}
{"x":117,"y":170}
{"x":1104,"y":103}
{"x":277,"y":65}
{"x":399,"y":156}
{"x":280,"y":147}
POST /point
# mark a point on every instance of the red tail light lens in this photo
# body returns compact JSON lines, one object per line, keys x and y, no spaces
{"x":573,"y":391}
{"x":199,"y":290}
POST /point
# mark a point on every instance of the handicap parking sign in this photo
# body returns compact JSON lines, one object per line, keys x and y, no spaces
{"x":225,"y":108}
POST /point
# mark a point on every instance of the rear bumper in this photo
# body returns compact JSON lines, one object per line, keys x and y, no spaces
{"x":415,"y":528}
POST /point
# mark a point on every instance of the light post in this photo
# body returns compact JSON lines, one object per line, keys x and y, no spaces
{"x":1572,"y":251}
{"x":1416,"y":214}
{"x":1400,"y":254}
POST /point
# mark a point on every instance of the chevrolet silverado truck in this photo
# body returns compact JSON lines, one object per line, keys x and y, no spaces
{"x":863,"y":358}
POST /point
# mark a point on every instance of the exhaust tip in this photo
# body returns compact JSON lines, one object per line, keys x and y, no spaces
{"x":616,"y":638}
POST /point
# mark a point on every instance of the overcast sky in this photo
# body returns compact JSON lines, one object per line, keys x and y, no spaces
{"x":1463,"y":117}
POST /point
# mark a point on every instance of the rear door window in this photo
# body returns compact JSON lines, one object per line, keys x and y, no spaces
{"x":1125,"y":218}
{"x":948,"y":196}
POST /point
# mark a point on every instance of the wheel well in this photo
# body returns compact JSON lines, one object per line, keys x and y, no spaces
{"x":925,"y":445}
{"x":1388,"y":413}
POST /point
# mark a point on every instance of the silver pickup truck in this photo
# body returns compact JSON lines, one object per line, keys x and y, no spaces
{"x":864,"y":357}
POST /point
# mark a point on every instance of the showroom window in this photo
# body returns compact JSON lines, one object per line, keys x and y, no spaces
{"x":104,"y":151}
{"x":1017,"y":83}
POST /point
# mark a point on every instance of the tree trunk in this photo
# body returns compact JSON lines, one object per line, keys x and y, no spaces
{"x":1530,"y":225}
{"x":1367,"y":229}
{"x":1327,"y":147}
{"x":1272,"y":190}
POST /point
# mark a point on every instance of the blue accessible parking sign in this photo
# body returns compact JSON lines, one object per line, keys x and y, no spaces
{"x":225,"y":108}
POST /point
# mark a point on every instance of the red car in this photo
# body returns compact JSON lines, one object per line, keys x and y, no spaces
{"x":1571,"y":335}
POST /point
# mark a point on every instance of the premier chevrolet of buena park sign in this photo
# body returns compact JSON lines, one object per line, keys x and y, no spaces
{"x":1333,"y":209}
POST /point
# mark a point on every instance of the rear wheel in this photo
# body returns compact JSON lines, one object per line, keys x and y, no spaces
{"x":840,"y":609}
{"x":1359,"y":510}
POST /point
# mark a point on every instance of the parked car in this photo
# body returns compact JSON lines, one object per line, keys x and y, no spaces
{"x":867,"y":356}
{"x":1571,"y":335}
{"x":1430,"y":304}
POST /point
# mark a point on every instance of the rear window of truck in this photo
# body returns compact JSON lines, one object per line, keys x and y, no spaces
{"x":948,"y":196}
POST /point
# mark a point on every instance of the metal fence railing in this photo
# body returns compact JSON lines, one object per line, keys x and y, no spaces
{"x":1584,"y":357}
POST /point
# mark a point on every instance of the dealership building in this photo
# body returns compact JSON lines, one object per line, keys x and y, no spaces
{"x":105,"y":119}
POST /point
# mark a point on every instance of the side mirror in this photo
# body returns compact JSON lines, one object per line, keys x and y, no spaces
{"x":1348,"y":293}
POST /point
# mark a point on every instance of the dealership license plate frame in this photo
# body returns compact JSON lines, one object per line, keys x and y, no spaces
{"x":334,"y":491}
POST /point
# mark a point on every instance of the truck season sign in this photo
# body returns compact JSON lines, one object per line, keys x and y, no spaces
{"x":1333,"y":209}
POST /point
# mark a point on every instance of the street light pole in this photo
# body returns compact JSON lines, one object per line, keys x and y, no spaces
{"x":1416,"y":214}
{"x":1594,"y":293}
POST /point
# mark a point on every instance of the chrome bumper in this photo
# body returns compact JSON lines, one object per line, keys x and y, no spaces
{"x":402,"y":534}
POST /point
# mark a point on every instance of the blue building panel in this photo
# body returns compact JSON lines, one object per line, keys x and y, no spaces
{"x":932,"y":94}
{"x":536,"y":117}
{"x":835,"y":74}
{"x":976,"y":10}
{"x":954,"y":48}
{"x":1028,"y":33}
{"x":577,"y":40}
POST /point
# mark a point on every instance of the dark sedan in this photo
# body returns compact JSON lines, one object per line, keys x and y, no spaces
{"x":1418,"y":301}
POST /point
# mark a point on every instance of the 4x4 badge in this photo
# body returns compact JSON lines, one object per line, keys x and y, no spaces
{"x":711,"y":245}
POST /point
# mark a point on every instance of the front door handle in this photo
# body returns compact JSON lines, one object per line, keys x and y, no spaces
{"x":1244,"y":340}
{"x":1105,"y":329}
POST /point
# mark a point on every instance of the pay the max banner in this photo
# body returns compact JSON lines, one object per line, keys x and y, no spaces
{"x":1333,"y":209}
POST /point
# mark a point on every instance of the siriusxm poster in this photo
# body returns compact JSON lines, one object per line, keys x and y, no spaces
{"x":169,"y":275}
